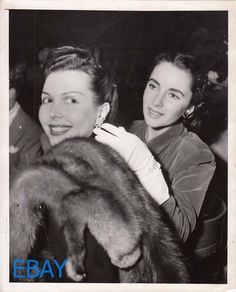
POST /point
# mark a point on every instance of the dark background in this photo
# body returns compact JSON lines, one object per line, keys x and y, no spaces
{"x":128,"y":39}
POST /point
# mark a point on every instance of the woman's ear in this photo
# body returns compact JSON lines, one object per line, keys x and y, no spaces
{"x":103,"y":111}
{"x":190,"y":110}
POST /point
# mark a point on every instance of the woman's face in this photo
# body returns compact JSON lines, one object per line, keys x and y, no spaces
{"x":167,"y":95}
{"x":68,"y":106}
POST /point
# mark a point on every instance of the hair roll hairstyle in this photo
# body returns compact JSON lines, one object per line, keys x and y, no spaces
{"x":86,"y":60}
{"x":189,"y":64}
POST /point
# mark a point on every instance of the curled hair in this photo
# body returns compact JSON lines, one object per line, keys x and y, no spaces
{"x":86,"y":60}
{"x":189,"y":64}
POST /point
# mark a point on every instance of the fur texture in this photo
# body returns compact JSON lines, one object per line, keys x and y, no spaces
{"x":87,"y":184}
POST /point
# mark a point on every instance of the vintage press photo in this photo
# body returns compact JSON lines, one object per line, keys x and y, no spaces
{"x":126,"y":38}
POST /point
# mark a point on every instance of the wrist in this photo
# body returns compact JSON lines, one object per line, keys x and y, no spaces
{"x":152,"y":166}
{"x":153,"y":181}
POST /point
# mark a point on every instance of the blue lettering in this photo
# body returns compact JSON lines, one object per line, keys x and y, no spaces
{"x":32,"y":266}
{"x":18,"y":268}
{"x":60,"y":267}
{"x":47,"y":269}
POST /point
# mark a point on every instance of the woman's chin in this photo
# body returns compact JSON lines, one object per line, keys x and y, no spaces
{"x":56,"y":140}
{"x":152,"y":123}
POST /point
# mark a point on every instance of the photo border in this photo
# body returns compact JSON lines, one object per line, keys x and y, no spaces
{"x":229,"y":6}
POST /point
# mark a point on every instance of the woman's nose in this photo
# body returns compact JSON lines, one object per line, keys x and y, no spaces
{"x":158,"y":99}
{"x":56,"y":111}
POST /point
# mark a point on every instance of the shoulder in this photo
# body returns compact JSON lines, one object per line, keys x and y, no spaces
{"x":28,"y":124}
{"x":27,"y":132}
{"x":137,"y":126}
{"x":192,"y":150}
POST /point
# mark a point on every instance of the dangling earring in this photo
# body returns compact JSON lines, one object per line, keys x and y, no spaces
{"x":98,"y":124}
{"x":99,"y":121}
{"x":101,"y":115}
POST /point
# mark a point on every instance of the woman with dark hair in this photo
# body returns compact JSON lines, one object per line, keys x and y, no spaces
{"x":173,"y":92}
{"x":78,"y":95}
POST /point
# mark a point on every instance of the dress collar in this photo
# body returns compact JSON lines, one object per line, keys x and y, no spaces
{"x":159,"y":143}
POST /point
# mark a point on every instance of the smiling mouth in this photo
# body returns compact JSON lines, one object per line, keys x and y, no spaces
{"x":59,"y":129}
{"x":154,"y":114}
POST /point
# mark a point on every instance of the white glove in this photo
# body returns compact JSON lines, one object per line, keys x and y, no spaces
{"x":138,"y":157}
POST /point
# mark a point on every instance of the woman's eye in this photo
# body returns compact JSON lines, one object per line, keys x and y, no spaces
{"x":71,"y":100}
{"x":173,"y":95}
{"x":152,"y":86}
{"x":46,"y":100}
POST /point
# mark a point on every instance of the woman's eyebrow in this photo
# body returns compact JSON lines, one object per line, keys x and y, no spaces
{"x":73,"y":92}
{"x":44,"y":92}
{"x":154,"y":80}
{"x":172,"y":89}
{"x":177,"y":91}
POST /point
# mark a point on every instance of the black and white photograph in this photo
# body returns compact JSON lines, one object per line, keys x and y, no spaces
{"x":118,"y":147}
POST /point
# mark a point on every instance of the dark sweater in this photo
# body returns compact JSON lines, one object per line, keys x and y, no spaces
{"x":188,"y":166}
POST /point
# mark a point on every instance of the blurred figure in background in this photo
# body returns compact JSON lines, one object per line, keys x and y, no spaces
{"x":34,"y":84}
{"x":24,"y":132}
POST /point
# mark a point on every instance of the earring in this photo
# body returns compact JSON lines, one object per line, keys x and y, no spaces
{"x":187,"y":115}
{"x":99,"y":122}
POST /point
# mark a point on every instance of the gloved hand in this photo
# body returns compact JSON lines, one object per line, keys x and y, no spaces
{"x":138,"y":157}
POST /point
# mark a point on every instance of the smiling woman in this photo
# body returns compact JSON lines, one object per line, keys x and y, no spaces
{"x":68,"y":106}
{"x":78,"y":94}
{"x":166,"y":97}
{"x":172,"y":93}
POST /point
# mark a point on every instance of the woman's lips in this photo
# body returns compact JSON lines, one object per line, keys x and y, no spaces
{"x":154,"y":114}
{"x":57,"y":130}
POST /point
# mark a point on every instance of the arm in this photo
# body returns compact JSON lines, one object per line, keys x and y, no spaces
{"x":138,"y":157}
{"x":28,"y":143}
{"x":31,"y":149}
{"x":193,"y":170}
{"x":189,"y":186}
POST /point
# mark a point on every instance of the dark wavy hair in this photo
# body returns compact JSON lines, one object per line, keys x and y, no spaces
{"x":87,"y":60}
{"x":189,"y":64}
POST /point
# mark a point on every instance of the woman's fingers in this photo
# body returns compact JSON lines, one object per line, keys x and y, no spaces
{"x":105,"y":137}
{"x":117,"y":131}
